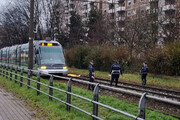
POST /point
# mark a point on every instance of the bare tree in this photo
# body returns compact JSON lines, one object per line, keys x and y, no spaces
{"x":170,"y":25}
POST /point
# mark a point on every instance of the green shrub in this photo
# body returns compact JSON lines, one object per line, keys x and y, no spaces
{"x":174,"y":58}
{"x":166,"y":60}
{"x":76,"y":56}
{"x":103,"y":56}
{"x":160,"y":60}
{"x":157,"y":61}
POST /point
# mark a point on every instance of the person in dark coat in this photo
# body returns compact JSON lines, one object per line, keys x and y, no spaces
{"x":144,"y":72}
{"x":91,"y":74}
{"x":115,"y":71}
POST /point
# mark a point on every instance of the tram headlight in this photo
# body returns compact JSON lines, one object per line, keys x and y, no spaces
{"x":65,"y":67}
{"x":43,"y":67}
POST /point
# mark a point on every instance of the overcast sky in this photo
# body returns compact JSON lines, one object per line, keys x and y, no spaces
{"x":4,"y":4}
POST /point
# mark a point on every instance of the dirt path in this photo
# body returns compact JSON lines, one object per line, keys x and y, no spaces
{"x":12,"y":108}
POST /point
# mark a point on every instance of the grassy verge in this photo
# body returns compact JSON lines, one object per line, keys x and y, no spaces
{"x":55,"y":110}
{"x":152,"y":80}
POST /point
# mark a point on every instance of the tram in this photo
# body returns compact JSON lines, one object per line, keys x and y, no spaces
{"x":48,"y":56}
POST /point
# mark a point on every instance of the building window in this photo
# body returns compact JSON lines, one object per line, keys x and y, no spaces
{"x":112,"y":15}
{"x":86,"y":7}
{"x":134,"y":12}
{"x":129,"y":13}
{"x":129,"y":2}
{"x":111,"y":6}
{"x":72,"y":6}
{"x":85,"y":14}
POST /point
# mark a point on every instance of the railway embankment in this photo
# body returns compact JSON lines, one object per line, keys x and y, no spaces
{"x":55,"y":110}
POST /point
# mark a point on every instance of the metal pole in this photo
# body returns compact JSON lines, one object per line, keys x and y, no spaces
{"x":1,"y":67}
{"x":11,"y":73}
{"x":51,"y":89}
{"x":3,"y":70}
{"x":6,"y":71}
{"x":68,"y":95}
{"x":15,"y":77}
{"x":142,"y":104}
{"x":21,"y":78}
{"x":31,"y":37}
{"x":38,"y":85}
{"x":95,"y":98}
{"x":28,"y":79}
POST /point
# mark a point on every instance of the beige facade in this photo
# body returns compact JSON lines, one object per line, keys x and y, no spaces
{"x":119,"y":10}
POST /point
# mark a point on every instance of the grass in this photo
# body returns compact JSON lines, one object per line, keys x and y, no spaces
{"x":54,"y":110}
{"x":152,"y":80}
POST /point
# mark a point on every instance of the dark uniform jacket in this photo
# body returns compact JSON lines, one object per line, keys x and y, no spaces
{"x":91,"y":70}
{"x":144,"y":70}
{"x":116,"y":69}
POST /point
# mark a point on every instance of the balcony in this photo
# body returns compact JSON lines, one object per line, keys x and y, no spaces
{"x":121,"y":9}
{"x":110,"y":1}
{"x":121,"y":1}
{"x":121,"y":29}
{"x":70,"y":10}
{"x":84,"y":19}
{"x":113,"y":1}
{"x":153,"y":0}
{"x":66,"y":11}
{"x":169,"y":7}
{"x":168,"y":21}
{"x":121,"y":18}
{"x":67,"y":17}
{"x":111,"y":11}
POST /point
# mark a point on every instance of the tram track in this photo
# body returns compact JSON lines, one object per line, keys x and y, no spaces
{"x":133,"y":91}
{"x":164,"y":93}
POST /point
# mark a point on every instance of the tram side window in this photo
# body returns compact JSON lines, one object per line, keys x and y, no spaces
{"x":18,"y":52}
{"x":10,"y":57}
{"x":1,"y":56}
{"x":24,"y":57}
{"x":37,"y":57}
{"x":4,"y":55}
{"x":13,"y":56}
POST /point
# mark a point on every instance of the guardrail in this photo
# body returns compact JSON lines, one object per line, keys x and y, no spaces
{"x":7,"y":71}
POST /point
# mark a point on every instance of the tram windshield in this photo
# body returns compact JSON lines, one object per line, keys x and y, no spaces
{"x":52,"y":55}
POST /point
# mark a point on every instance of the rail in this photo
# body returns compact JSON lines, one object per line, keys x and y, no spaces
{"x":8,"y":71}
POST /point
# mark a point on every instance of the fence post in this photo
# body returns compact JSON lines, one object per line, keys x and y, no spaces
{"x":0,"y":68}
{"x":3,"y":70}
{"x":142,"y":104}
{"x":15,"y":77}
{"x":21,"y":78}
{"x":95,"y":98}
{"x":38,"y":83}
{"x":69,"y":95}
{"x":6,"y":71}
{"x":11,"y":73}
{"x":51,"y":89}
{"x":28,"y":79}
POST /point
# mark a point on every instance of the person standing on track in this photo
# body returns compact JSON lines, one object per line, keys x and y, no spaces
{"x":144,"y":72}
{"x":91,"y":74}
{"x":115,"y":71}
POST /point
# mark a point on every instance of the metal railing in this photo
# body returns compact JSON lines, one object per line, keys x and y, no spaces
{"x":10,"y":71}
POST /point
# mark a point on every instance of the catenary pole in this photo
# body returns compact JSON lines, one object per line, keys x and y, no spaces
{"x":31,"y":35}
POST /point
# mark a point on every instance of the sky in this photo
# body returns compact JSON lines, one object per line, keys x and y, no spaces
{"x":4,"y":4}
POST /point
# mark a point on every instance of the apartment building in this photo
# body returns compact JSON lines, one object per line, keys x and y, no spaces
{"x":120,"y":10}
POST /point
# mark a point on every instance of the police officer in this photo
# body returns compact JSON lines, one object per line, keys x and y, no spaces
{"x":115,"y":71}
{"x":91,"y":74}
{"x":144,"y":71}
